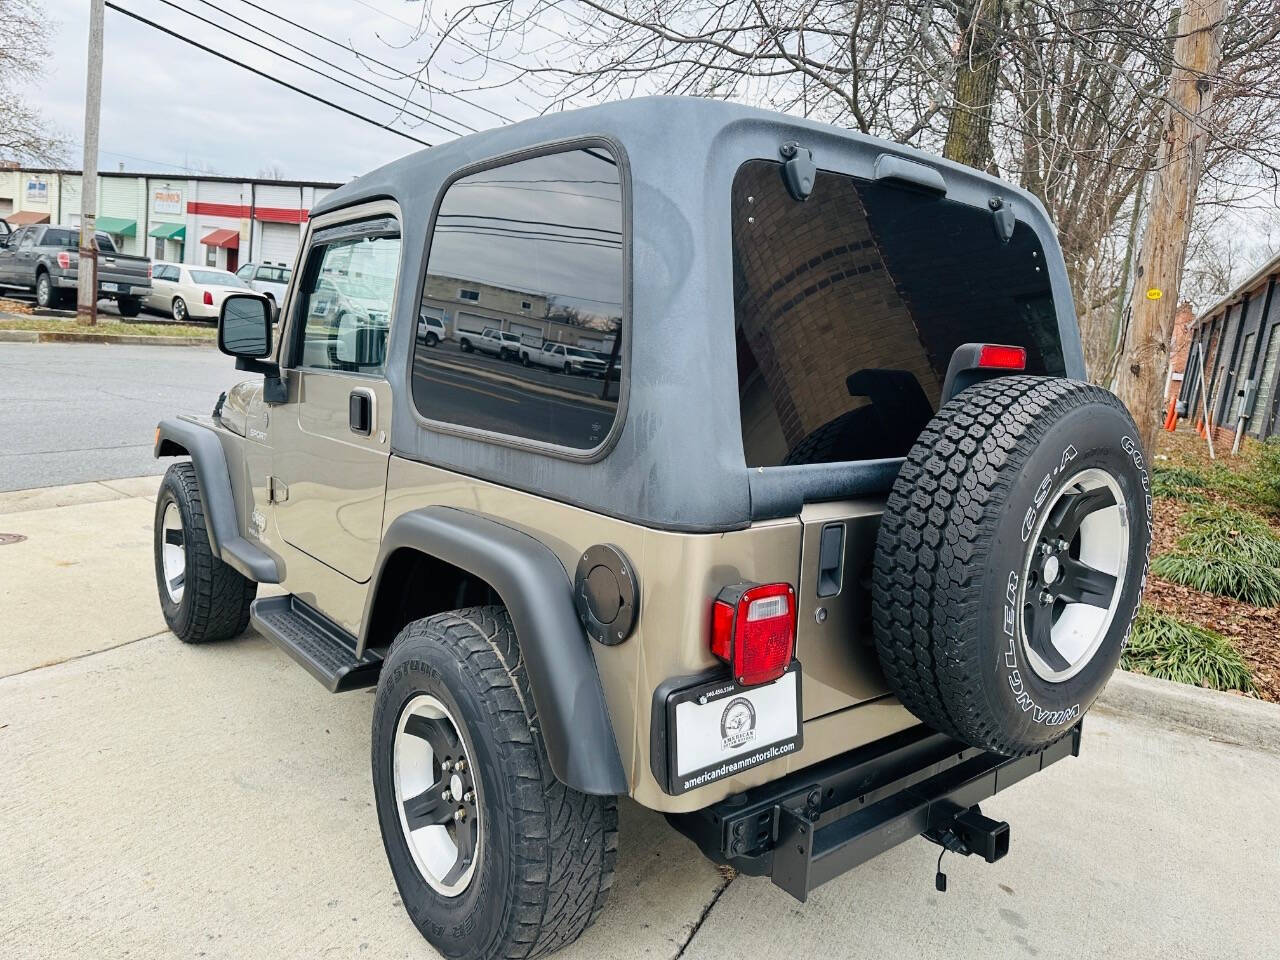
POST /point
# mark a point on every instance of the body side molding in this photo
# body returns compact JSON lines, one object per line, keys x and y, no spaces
{"x":536,"y":590}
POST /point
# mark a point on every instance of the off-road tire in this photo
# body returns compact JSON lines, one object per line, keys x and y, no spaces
{"x":216,"y":598}
{"x":951,"y":551}
{"x":547,"y":852}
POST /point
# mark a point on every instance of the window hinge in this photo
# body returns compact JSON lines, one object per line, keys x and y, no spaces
{"x":277,"y":490}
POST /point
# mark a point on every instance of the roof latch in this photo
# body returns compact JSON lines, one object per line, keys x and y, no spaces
{"x":799,"y":172}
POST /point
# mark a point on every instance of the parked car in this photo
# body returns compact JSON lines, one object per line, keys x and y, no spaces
{"x":186,"y":291}
{"x":269,"y":279}
{"x":565,"y":358}
{"x":491,"y":340}
{"x":45,"y":260}
{"x":430,"y":329}
{"x":820,"y":580}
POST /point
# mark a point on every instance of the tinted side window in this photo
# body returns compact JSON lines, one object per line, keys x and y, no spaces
{"x":532,"y":250}
{"x":347,"y":295}
{"x":850,"y":304}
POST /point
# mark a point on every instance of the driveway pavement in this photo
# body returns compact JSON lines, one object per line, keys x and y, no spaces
{"x":159,"y":800}
{"x":72,"y":412}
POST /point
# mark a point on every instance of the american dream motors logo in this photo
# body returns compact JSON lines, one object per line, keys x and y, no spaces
{"x":737,"y":724}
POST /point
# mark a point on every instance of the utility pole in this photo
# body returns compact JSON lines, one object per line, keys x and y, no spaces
{"x":87,"y":272}
{"x":1144,"y":365}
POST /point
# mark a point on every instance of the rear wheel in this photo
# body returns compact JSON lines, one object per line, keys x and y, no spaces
{"x":129,"y":306}
{"x":44,"y":290}
{"x":493,"y":856}
{"x":432,"y":339}
{"x":466,"y":346}
{"x":1011,"y":559}
{"x":202,"y":598}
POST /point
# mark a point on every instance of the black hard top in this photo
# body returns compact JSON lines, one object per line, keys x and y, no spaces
{"x":676,"y":461}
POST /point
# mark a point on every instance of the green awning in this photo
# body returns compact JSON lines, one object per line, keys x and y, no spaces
{"x":170,"y":231}
{"x":118,"y":226}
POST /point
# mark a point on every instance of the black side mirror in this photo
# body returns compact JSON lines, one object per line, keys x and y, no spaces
{"x":244,"y":326}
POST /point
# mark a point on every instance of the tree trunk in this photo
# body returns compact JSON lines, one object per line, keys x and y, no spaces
{"x":1144,"y":366}
{"x":977,"y":69}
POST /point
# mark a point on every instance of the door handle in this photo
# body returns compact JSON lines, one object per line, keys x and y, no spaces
{"x":360,"y":412}
{"x":831,"y":560}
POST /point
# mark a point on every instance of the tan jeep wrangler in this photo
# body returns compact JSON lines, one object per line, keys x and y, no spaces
{"x":831,"y":545}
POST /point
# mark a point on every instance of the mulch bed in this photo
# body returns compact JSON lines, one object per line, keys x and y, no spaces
{"x":1254,"y":631}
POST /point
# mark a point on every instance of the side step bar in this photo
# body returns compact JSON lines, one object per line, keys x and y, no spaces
{"x":815,"y":824}
{"x":324,"y":648}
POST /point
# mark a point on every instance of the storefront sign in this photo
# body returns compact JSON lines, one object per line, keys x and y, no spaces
{"x":37,"y":191}
{"x":166,"y":200}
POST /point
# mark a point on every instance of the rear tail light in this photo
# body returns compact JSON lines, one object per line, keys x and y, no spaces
{"x":994,"y":356}
{"x":64,"y":259}
{"x":208,"y":299}
{"x":148,"y":271}
{"x":753,"y":629}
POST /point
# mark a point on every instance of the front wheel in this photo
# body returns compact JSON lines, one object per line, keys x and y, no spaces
{"x":493,"y":856}
{"x":179,"y":310}
{"x":202,"y":598}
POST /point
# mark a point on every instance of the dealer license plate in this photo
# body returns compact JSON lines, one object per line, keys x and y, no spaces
{"x":720,"y":729}
{"x":111,"y":287}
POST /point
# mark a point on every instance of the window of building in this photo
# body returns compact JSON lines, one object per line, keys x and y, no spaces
{"x":849,"y":305}
{"x":348,"y":291}
{"x":473,"y":295}
{"x":546,"y":230}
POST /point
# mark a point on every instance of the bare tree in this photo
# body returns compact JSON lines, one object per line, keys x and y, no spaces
{"x":24,"y":134}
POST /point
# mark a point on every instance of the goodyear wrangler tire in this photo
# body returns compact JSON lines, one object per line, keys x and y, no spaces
{"x":1011,"y":559}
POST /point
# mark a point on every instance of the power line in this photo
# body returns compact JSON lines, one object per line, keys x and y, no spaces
{"x":363,"y":79}
{"x":399,"y":107}
{"x":266,"y":76}
{"x":364,"y":56}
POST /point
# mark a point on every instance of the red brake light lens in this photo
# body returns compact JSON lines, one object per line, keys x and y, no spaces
{"x":208,"y":299}
{"x":64,"y":259}
{"x":753,"y":629}
{"x":994,"y":356}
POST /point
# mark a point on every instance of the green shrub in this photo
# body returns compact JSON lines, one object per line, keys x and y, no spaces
{"x":1161,"y":646}
{"x":1226,"y":551}
{"x":1267,"y":470}
{"x":1178,"y":483}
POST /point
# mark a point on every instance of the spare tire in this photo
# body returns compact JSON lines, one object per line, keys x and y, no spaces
{"x":1010,"y":561}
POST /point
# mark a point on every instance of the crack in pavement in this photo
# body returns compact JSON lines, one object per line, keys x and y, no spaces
{"x":82,"y":656}
{"x":728,"y":875}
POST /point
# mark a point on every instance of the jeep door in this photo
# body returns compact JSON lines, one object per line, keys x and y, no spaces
{"x":330,"y":441}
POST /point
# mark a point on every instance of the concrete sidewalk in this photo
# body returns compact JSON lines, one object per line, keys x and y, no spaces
{"x":161,"y":800}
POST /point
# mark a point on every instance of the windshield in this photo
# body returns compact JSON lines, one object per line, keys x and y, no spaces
{"x":217,"y":278}
{"x":850,"y":304}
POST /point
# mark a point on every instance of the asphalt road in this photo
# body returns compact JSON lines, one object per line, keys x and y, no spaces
{"x":75,"y":412}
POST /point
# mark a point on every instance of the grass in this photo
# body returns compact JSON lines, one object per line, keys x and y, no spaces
{"x":1162,"y":646}
{"x":1178,"y":483}
{"x":108,"y":324}
{"x":1227,"y":551}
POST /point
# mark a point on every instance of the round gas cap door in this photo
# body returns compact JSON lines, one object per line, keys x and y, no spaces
{"x":605,"y":594}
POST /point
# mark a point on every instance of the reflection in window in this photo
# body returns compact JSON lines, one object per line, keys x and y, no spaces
{"x":347,"y":295}
{"x":526,"y":271}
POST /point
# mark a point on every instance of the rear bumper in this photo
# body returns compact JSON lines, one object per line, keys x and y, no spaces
{"x":107,"y":287}
{"x":815,"y":824}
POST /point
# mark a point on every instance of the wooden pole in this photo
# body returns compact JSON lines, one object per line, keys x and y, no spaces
{"x":1144,"y":366}
{"x":87,"y":270}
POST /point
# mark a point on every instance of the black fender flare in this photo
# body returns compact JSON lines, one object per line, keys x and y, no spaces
{"x":174,"y":438}
{"x":537,"y":592}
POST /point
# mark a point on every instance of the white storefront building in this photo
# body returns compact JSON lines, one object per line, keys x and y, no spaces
{"x":213,"y":221}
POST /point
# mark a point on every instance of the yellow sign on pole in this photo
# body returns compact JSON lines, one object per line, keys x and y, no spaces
{"x":1155,"y":293}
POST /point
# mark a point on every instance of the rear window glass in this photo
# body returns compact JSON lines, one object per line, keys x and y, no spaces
{"x":217,"y":278}
{"x":54,"y":237}
{"x":849,"y":305}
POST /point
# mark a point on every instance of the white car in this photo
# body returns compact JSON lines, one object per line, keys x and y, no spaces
{"x":270,"y":279}
{"x":187,"y":291}
{"x":430,"y":329}
{"x":565,"y":358}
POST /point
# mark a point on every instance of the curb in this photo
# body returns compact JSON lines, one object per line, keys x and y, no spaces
{"x":1209,"y":713}
{"x":53,"y":336}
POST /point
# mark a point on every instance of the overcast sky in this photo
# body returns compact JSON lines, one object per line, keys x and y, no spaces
{"x":167,"y":105}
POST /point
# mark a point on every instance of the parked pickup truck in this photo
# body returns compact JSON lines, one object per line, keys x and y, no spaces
{"x":491,"y":340}
{"x":44,"y":259}
{"x":271,"y":280}
{"x":559,"y":356}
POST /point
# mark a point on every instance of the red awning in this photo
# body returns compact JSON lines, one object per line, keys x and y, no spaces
{"x":230,"y":239}
{"x":26,"y":217}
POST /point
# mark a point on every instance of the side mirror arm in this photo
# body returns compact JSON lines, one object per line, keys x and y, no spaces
{"x":275,"y":388}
